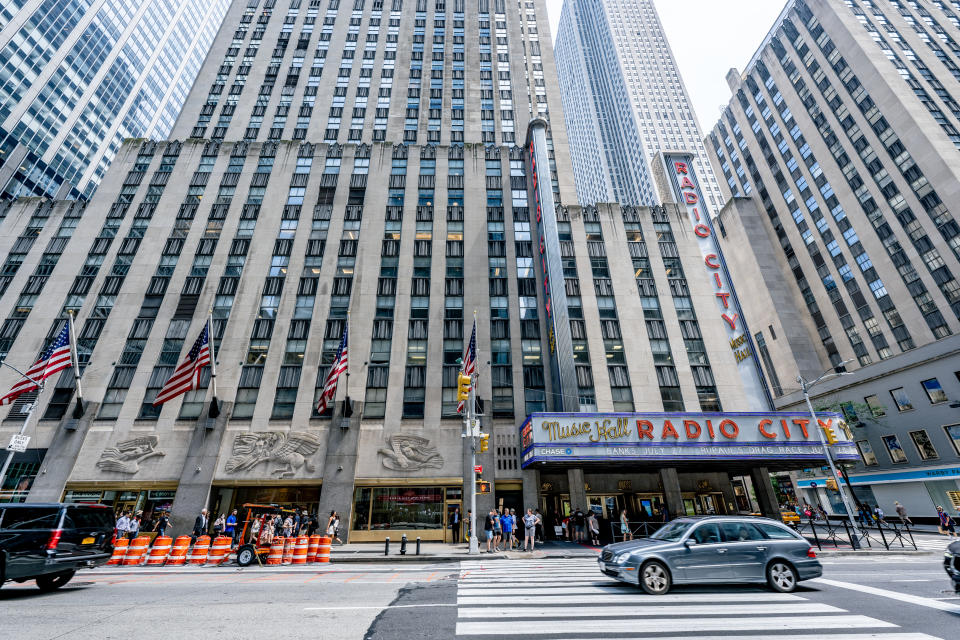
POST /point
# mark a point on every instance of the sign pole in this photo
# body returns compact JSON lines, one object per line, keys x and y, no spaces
{"x":472,"y":435}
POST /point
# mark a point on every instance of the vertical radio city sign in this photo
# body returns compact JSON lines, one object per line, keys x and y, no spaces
{"x":686,"y":189}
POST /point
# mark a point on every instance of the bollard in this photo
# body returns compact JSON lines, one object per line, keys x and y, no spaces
{"x":386,"y":546}
{"x":403,"y":545}
{"x":418,"y":545}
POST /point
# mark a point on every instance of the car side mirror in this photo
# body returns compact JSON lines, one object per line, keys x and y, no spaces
{"x":689,"y":542}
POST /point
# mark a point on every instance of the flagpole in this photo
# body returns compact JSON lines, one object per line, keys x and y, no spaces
{"x":78,"y":410}
{"x":214,"y":404}
{"x":474,"y":548}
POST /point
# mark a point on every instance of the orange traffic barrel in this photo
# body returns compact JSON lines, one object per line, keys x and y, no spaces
{"x":119,"y":550}
{"x":276,"y":551}
{"x":159,"y":551}
{"x":198,"y":555}
{"x":312,"y":548}
{"x":219,"y":550}
{"x":288,"y":545}
{"x":178,"y":555}
{"x":323,"y":550}
{"x":135,"y":551}
{"x":300,"y":550}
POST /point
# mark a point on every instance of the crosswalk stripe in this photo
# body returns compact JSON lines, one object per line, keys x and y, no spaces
{"x":629,"y":593}
{"x":598,"y":599}
{"x":615,"y":611}
{"x":805,"y":636}
{"x":536,"y":627}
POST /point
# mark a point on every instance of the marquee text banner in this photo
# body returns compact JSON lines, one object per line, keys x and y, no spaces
{"x":608,"y":437}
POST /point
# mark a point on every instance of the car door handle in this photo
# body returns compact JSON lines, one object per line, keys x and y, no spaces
{"x":761,"y":548}
{"x":721,"y":550}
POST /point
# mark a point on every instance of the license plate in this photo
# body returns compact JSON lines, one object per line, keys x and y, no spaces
{"x":88,"y":540}
{"x":603,"y":566}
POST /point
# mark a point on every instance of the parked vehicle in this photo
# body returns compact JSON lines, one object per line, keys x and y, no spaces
{"x":713,"y":549}
{"x":256,"y":549}
{"x":951,"y":564}
{"x":49,"y":542}
{"x":788,"y":517}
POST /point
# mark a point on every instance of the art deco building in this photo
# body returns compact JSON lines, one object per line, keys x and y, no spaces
{"x":400,"y":166}
{"x":839,"y":151}
{"x":76,"y":78}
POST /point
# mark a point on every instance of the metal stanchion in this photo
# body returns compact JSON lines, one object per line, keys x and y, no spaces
{"x":386,"y":546}
{"x":418,"y":545}
{"x":403,"y":545}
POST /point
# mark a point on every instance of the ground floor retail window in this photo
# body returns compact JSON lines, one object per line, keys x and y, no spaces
{"x":383,"y":508}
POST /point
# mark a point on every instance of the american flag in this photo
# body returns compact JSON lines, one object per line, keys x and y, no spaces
{"x":187,"y":375}
{"x":56,"y":357}
{"x":469,"y":360}
{"x":330,"y":384}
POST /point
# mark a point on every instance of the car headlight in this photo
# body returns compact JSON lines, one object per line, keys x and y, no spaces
{"x":947,"y":554}
{"x":620,"y":558}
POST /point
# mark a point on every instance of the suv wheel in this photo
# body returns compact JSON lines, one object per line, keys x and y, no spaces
{"x":654,"y":578}
{"x":53,"y":581}
{"x":781,"y":576}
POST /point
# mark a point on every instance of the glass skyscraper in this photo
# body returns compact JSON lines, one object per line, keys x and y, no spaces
{"x":77,"y":77}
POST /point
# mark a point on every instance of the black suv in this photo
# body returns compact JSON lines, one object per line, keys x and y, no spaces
{"x":49,"y":542}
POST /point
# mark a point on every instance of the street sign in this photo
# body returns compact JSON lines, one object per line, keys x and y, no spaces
{"x":478,"y":469}
{"x":18,"y":442}
{"x":813,"y":484}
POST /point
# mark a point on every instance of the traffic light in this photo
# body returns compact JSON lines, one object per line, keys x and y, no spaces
{"x":463,"y":387}
{"x":832,"y":484}
{"x":830,"y":434}
{"x":484,"y":442}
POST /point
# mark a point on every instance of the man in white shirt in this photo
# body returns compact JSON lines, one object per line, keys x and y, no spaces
{"x":123,"y":525}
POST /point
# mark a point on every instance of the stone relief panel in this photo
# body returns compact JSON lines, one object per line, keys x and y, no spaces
{"x":128,"y":454}
{"x":285,"y":454}
{"x":407,"y":452}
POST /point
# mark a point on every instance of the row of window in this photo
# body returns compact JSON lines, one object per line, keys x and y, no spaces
{"x":921,"y":441}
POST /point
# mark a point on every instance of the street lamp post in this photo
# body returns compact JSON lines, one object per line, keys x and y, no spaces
{"x":26,"y":421}
{"x":826,"y":447}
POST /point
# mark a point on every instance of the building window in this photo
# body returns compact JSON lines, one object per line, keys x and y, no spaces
{"x":866,"y":453}
{"x":953,"y":434}
{"x":876,"y":407}
{"x":924,"y":447}
{"x":935,"y":392}
{"x":901,"y":399}
{"x":897,"y":455}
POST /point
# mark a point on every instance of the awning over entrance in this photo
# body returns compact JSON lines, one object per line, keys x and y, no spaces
{"x":609,"y":438}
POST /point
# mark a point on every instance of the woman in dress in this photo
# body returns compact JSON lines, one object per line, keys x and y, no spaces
{"x":625,"y":526}
{"x":333,"y":527}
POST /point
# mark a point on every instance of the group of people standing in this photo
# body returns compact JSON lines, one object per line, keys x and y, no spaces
{"x":502,"y":529}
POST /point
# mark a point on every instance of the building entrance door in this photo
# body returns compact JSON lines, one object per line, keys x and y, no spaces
{"x":606,"y":507}
{"x":451,"y":526}
{"x":710,"y":504}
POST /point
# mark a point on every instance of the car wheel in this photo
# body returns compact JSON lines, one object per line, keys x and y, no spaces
{"x":246,"y":556}
{"x":654,"y":578}
{"x":781,"y":576}
{"x":54,"y":581}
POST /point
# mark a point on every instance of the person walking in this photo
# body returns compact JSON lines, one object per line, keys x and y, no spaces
{"x":287,"y":526}
{"x":625,"y":526}
{"x":878,"y":515}
{"x":488,"y":529}
{"x":162,"y":523}
{"x":594,"y":528}
{"x":230,"y":527}
{"x":333,"y":527}
{"x":218,"y":525}
{"x":530,"y":522}
{"x":200,"y":525}
{"x":133,"y":528}
{"x":947,"y":525}
{"x":123,"y":525}
{"x":455,"y":525}
{"x":902,"y":513}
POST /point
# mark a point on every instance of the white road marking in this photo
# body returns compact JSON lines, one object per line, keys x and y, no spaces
{"x":913,"y":580}
{"x":845,"y":636}
{"x":615,"y":611}
{"x":386,"y":606}
{"x":894,"y":595}
{"x":636,"y":598}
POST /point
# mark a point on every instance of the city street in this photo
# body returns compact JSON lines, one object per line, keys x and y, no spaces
{"x":897,"y":597}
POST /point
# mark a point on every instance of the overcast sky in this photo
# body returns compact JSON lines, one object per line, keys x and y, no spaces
{"x":708,"y":37}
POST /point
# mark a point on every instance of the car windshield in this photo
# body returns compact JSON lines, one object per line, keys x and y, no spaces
{"x":672,"y":531}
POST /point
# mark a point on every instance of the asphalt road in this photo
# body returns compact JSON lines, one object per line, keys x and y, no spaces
{"x":885,"y":597}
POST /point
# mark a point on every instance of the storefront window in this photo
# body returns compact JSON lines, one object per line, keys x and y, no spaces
{"x":399,"y":508}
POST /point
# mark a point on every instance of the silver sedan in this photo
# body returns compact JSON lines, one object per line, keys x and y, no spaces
{"x":713,"y":549}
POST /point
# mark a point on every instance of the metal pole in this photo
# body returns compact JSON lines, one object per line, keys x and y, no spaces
{"x":26,"y":421}
{"x":472,"y":437}
{"x":828,"y":455}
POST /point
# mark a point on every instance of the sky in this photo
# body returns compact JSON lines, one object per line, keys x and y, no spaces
{"x":708,"y":37}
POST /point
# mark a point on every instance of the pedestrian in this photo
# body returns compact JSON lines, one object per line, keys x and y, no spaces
{"x":664,"y":514}
{"x":822,"y":513}
{"x":565,"y":526}
{"x":123,"y":525}
{"x":497,"y":530}
{"x":530,"y":522}
{"x":947,"y":526}
{"x":878,"y":515}
{"x":133,"y":528}
{"x":863,"y":515}
{"x":455,"y":525}
{"x":255,"y":527}
{"x":296,"y":521}
{"x":266,"y":531}
{"x":902,"y":513}
{"x":469,"y":523}
{"x":594,"y":528}
{"x":580,"y":525}
{"x":200,"y":525}
{"x":514,"y":530}
{"x":219,"y":524}
{"x":539,"y":527}
{"x":230,"y":527}
{"x":625,"y":526}
{"x":312,"y":525}
{"x":506,"y":526}
{"x":488,"y":529}
{"x":162,"y":523}
{"x":333,"y":527}
{"x":288,"y":526}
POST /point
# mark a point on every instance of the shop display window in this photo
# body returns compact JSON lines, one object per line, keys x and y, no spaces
{"x":380,"y":508}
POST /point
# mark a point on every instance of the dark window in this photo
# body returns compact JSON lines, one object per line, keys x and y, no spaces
{"x":30,"y":518}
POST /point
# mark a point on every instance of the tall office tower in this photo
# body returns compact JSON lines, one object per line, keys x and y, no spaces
{"x":624,"y":101}
{"x":839,"y":148}
{"x":385,"y":171}
{"x":76,"y":78}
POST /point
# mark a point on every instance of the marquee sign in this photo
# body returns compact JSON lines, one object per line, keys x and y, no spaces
{"x":686,"y":190}
{"x":609,"y":437}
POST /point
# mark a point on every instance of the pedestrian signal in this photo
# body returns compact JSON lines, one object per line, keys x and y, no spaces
{"x":484,"y":442}
{"x":483,"y":486}
{"x":463,"y":387}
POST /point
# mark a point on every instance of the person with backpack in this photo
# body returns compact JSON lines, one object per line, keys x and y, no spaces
{"x":947,"y":526}
{"x":162,"y":523}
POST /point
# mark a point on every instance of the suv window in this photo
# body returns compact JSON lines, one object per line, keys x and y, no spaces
{"x":18,"y":518}
{"x":88,"y":518}
{"x":707,"y":533}
{"x":775,"y":532}
{"x":740,"y":532}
